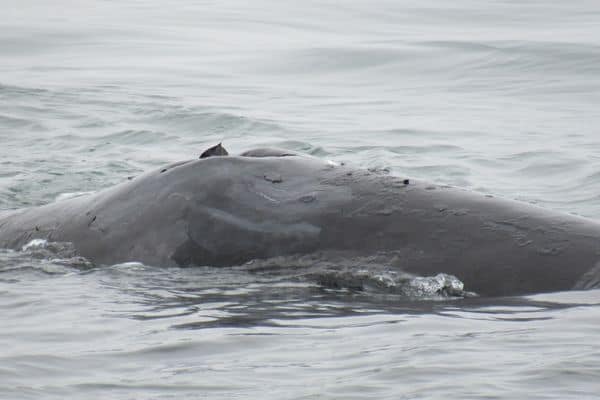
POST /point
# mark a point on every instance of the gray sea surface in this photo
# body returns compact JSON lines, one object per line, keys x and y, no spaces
{"x":496,"y":96}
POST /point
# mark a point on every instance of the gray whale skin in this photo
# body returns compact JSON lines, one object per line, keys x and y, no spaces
{"x":224,"y":211}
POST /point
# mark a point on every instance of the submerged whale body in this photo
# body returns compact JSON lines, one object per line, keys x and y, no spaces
{"x":225,"y":211}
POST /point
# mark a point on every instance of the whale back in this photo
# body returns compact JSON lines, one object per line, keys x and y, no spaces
{"x":224,"y":211}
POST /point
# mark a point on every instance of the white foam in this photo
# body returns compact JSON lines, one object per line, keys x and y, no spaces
{"x":35,"y":244}
{"x":438,"y":284}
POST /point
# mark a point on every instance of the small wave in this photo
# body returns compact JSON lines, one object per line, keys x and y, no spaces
{"x":336,"y":59}
{"x":440,"y":286}
{"x":137,"y":137}
{"x":370,"y":275}
{"x":57,"y":253}
{"x":11,"y":122}
{"x":214,"y":122}
{"x":412,"y":149}
{"x":523,"y":55}
{"x":20,"y":90}
{"x":38,"y":257}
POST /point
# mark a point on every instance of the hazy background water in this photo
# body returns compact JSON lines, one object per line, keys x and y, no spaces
{"x":496,"y":96}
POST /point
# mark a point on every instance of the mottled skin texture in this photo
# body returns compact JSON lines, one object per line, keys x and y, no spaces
{"x":224,"y":211}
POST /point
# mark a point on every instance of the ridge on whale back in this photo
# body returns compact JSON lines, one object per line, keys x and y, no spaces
{"x":225,"y":210}
{"x":219,"y":150}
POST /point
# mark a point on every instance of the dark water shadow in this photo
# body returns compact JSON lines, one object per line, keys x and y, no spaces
{"x":206,"y":297}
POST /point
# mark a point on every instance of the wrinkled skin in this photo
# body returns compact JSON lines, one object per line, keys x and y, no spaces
{"x":224,"y":211}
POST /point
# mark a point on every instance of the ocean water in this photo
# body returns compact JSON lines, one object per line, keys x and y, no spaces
{"x":495,"y":96}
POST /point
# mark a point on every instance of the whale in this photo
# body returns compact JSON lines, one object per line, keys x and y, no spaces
{"x":232,"y":209}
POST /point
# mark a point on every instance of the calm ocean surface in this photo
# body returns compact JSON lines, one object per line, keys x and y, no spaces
{"x":496,"y":96}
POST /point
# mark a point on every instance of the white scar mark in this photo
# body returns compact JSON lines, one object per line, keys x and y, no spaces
{"x":295,"y":229}
{"x":268,"y":198}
